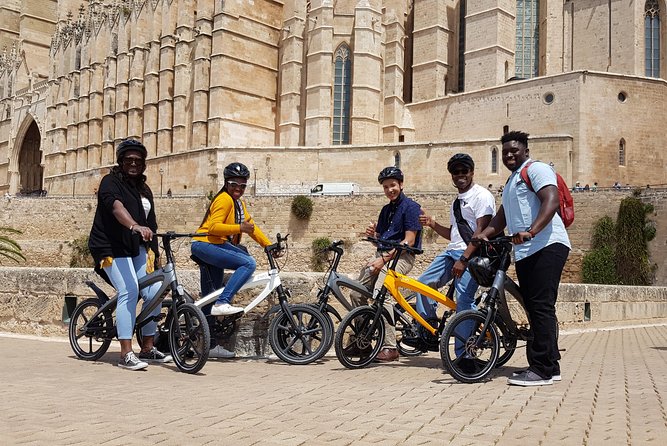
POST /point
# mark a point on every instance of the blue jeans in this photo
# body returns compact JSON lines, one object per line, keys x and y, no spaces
{"x":438,"y":273}
{"x":124,"y":274}
{"x":225,"y":256}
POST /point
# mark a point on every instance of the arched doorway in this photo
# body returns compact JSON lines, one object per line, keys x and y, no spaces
{"x":31,"y":172}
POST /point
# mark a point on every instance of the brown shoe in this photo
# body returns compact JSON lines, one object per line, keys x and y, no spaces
{"x":387,"y":355}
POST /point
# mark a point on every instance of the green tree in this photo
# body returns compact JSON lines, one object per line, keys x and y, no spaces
{"x":9,"y":249}
{"x":599,"y":264}
{"x":319,"y":257}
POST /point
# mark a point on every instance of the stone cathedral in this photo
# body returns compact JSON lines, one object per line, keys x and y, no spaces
{"x":328,"y":90}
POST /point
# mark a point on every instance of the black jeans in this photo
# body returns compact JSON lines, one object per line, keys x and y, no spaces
{"x":539,"y":276}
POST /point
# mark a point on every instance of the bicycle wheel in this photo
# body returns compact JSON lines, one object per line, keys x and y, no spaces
{"x":461,"y":357}
{"x":507,"y":343}
{"x":92,"y":342}
{"x":189,"y":338}
{"x":356,"y":342}
{"x":302,"y":338}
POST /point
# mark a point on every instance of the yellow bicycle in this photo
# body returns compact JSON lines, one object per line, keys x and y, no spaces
{"x":361,"y":333}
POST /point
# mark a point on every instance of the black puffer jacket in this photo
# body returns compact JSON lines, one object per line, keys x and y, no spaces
{"x":108,"y":238}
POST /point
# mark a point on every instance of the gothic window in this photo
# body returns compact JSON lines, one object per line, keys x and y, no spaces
{"x":342,"y":95}
{"x":621,"y":152}
{"x":527,"y":38}
{"x":494,"y":159}
{"x":652,"y":38}
{"x":462,"y":45}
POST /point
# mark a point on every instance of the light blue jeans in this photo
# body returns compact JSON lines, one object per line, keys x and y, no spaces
{"x":124,"y":274}
{"x":226,"y":256}
{"x":438,"y":273}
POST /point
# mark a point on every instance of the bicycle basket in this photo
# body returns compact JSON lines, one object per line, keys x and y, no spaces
{"x":484,"y":266}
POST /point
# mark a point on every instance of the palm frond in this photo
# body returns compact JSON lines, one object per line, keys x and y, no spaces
{"x":10,"y":249}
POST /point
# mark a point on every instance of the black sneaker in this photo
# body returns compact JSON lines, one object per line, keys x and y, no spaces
{"x":529,"y":378}
{"x":556,"y":376}
{"x":130,"y":362}
{"x":154,"y":355}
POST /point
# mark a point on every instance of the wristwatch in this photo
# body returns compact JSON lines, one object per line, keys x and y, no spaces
{"x":463,"y":259}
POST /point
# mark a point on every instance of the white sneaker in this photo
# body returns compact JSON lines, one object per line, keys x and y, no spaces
{"x":131,"y":362}
{"x":225,"y":310}
{"x":220,"y":352}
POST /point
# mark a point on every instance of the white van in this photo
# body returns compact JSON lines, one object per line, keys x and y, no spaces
{"x":335,"y":189}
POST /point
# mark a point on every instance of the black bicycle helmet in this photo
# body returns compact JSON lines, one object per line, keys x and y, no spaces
{"x":460,"y":158}
{"x":483,"y":270}
{"x":236,"y":170}
{"x":130,"y":144}
{"x":390,"y":172}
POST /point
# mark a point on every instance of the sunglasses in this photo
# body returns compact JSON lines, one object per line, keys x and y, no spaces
{"x":133,"y":161}
{"x":460,"y":172}
{"x":238,"y":185}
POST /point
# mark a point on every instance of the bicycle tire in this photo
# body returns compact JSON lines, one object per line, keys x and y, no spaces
{"x":98,"y":333}
{"x":189,"y":338}
{"x":304,"y":338}
{"x":354,"y":339}
{"x":473,"y":364}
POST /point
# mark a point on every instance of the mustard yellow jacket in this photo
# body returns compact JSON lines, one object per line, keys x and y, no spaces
{"x":220,"y":223}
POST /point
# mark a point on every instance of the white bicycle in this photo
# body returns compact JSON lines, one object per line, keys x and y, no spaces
{"x":298,"y":334}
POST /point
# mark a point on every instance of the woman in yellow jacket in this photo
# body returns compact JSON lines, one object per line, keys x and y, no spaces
{"x":226,"y":220}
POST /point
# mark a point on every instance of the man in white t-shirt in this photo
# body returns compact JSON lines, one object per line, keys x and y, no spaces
{"x":476,"y":207}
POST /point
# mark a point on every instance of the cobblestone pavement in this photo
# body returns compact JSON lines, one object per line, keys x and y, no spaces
{"x":613,"y":392}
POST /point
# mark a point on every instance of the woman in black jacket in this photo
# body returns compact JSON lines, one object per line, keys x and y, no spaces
{"x":122,"y":245}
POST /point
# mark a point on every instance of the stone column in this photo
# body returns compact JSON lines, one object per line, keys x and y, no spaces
{"x":367,"y":71}
{"x":135,"y":126}
{"x":431,"y":63}
{"x":72,"y":122}
{"x":490,"y":42}
{"x":182,"y":125}
{"x":122,"y":91}
{"x":394,"y":75}
{"x":290,"y":126}
{"x":166,"y":95}
{"x":82,"y":133}
{"x":151,"y":87}
{"x":108,"y":114}
{"x":319,"y":73}
{"x":96,"y":99}
{"x":201,"y":75}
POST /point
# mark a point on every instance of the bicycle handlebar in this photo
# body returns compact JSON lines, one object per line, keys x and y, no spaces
{"x":278,"y":246}
{"x":502,"y":239}
{"x":174,"y":235}
{"x":397,"y":245}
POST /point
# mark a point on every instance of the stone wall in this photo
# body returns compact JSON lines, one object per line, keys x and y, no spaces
{"x":49,"y":225}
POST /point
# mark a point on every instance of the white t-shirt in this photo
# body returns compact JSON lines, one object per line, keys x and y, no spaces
{"x":476,"y":202}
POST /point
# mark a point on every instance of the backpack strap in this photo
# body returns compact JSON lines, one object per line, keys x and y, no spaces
{"x":524,"y":176}
{"x":465,"y":231}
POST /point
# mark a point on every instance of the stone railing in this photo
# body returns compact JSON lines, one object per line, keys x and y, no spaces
{"x":32,"y":301}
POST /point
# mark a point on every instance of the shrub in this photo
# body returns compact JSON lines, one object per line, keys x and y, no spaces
{"x":599,"y":266}
{"x":10,"y":249}
{"x":302,"y":207}
{"x":80,"y":257}
{"x":319,"y":259}
{"x":633,"y":232}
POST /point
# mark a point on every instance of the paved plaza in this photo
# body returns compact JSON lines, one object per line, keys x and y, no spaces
{"x":613,"y":392}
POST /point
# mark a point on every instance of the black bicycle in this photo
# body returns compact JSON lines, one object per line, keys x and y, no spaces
{"x":183,"y":327}
{"x":411,"y":339}
{"x":476,"y":341}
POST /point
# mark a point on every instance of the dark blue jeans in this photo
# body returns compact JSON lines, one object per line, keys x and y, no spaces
{"x":539,"y":277}
{"x":225,"y":256}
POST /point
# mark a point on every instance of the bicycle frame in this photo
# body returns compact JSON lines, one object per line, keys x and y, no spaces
{"x":394,"y":281}
{"x":270,"y":280}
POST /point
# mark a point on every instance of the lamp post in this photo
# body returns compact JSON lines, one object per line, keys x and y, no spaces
{"x":161,"y":174}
